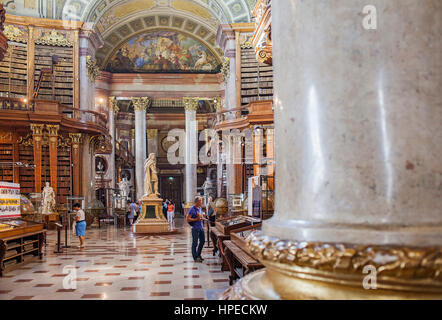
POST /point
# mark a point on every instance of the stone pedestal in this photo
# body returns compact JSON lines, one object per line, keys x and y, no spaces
{"x":151,"y":220}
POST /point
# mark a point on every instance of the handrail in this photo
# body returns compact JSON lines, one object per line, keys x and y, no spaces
{"x":54,"y":107}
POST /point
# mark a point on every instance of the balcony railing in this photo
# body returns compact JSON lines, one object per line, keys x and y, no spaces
{"x":54,"y":108}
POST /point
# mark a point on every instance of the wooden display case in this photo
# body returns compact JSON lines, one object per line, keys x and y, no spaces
{"x":21,"y":242}
{"x":227,"y":225}
{"x":239,"y":236}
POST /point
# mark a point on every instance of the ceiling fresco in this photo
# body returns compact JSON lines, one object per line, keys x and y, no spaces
{"x":162,"y":51}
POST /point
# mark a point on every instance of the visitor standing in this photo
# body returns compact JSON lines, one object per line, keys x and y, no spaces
{"x":80,"y":223}
{"x":134,"y":207}
{"x":171,"y":215}
{"x":195,"y":219}
{"x":165,"y":204}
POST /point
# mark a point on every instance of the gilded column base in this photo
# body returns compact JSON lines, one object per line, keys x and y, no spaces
{"x":339,"y":272}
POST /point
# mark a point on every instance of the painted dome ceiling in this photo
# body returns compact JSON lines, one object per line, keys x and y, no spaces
{"x":119,"y":21}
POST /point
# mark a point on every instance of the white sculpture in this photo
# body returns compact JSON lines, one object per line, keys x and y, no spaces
{"x":124,"y":187}
{"x":207,"y":186}
{"x":48,"y":198}
{"x":151,"y":176}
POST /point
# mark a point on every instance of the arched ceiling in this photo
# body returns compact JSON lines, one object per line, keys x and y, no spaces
{"x":225,"y":11}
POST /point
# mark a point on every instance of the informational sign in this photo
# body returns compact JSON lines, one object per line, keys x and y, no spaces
{"x":9,"y":200}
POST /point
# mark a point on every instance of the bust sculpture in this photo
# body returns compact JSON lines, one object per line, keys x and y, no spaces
{"x":151,"y":177}
{"x":48,"y":198}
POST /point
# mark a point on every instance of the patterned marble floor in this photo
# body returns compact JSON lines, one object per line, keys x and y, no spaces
{"x":117,"y":264}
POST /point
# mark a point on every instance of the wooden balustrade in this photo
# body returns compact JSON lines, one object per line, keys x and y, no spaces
{"x":55,"y":112}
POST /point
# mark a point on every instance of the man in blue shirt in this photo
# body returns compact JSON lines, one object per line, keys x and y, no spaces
{"x":195,"y":219}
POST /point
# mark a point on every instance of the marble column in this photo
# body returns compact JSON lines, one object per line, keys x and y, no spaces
{"x":152,"y":141}
{"x":140,"y":107}
{"x":358,"y":147}
{"x":113,"y":110}
{"x":191,"y":105}
{"x":90,"y":41}
{"x":225,"y":39}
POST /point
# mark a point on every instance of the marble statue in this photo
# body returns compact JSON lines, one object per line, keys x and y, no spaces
{"x":207,"y":186}
{"x":48,"y":199}
{"x":124,"y":187}
{"x":151,"y":176}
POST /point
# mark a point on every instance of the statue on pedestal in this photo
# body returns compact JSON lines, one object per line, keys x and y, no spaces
{"x":124,"y":187}
{"x":151,"y":177}
{"x":48,"y":199}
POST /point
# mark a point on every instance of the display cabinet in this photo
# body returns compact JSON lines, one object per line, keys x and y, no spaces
{"x":20,"y":242}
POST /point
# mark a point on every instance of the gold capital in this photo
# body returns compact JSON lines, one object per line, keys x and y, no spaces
{"x":52,"y":130}
{"x":37,"y":129}
{"x":152,"y":133}
{"x":113,"y":104}
{"x":140,"y":104}
{"x":191,"y":104}
{"x":75,"y":137}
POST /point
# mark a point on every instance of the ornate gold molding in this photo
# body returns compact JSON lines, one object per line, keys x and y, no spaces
{"x":76,"y":138}
{"x":37,"y":129}
{"x":225,"y":69}
{"x":191,"y":104}
{"x":113,"y":104}
{"x":218,"y":104}
{"x":397,"y":268}
{"x":14,"y":33}
{"x":92,"y":69}
{"x":140,"y":104}
{"x":54,"y":38}
{"x":53,"y":130}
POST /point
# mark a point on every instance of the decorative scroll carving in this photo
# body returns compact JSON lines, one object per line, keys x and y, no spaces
{"x":262,"y":38}
{"x":92,"y":69}
{"x":100,"y":145}
{"x":140,"y":104}
{"x":247,"y":44}
{"x":54,"y":38}
{"x":394,"y":264}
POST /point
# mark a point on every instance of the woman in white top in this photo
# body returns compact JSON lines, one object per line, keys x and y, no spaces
{"x":80,"y":226}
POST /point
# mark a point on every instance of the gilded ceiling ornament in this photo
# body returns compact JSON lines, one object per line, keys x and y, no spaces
{"x":396,"y":266}
{"x":92,"y":69}
{"x":53,"y":38}
{"x":140,"y":104}
{"x":14,"y":33}
{"x":191,"y":104}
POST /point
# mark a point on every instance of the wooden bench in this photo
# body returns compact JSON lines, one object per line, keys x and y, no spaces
{"x":240,"y":262}
{"x":218,"y":238}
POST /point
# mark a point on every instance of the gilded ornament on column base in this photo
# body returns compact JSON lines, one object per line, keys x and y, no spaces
{"x":301,"y":270}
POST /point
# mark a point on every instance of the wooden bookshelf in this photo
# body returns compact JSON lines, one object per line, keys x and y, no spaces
{"x":13,"y":71}
{"x":6,"y":155}
{"x":64,"y":180}
{"x":256,"y":78}
{"x":27,"y":180}
{"x":63,"y":73}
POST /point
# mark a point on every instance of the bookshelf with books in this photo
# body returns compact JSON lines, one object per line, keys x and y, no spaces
{"x":63,"y":76}
{"x":6,"y":156}
{"x":13,"y":71}
{"x":256,"y":78}
{"x":26,"y":155}
{"x":64,"y":180}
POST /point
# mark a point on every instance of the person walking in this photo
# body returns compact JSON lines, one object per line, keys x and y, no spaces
{"x":195,"y":219}
{"x":80,"y":223}
{"x":171,"y":215}
{"x":134,"y":207}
